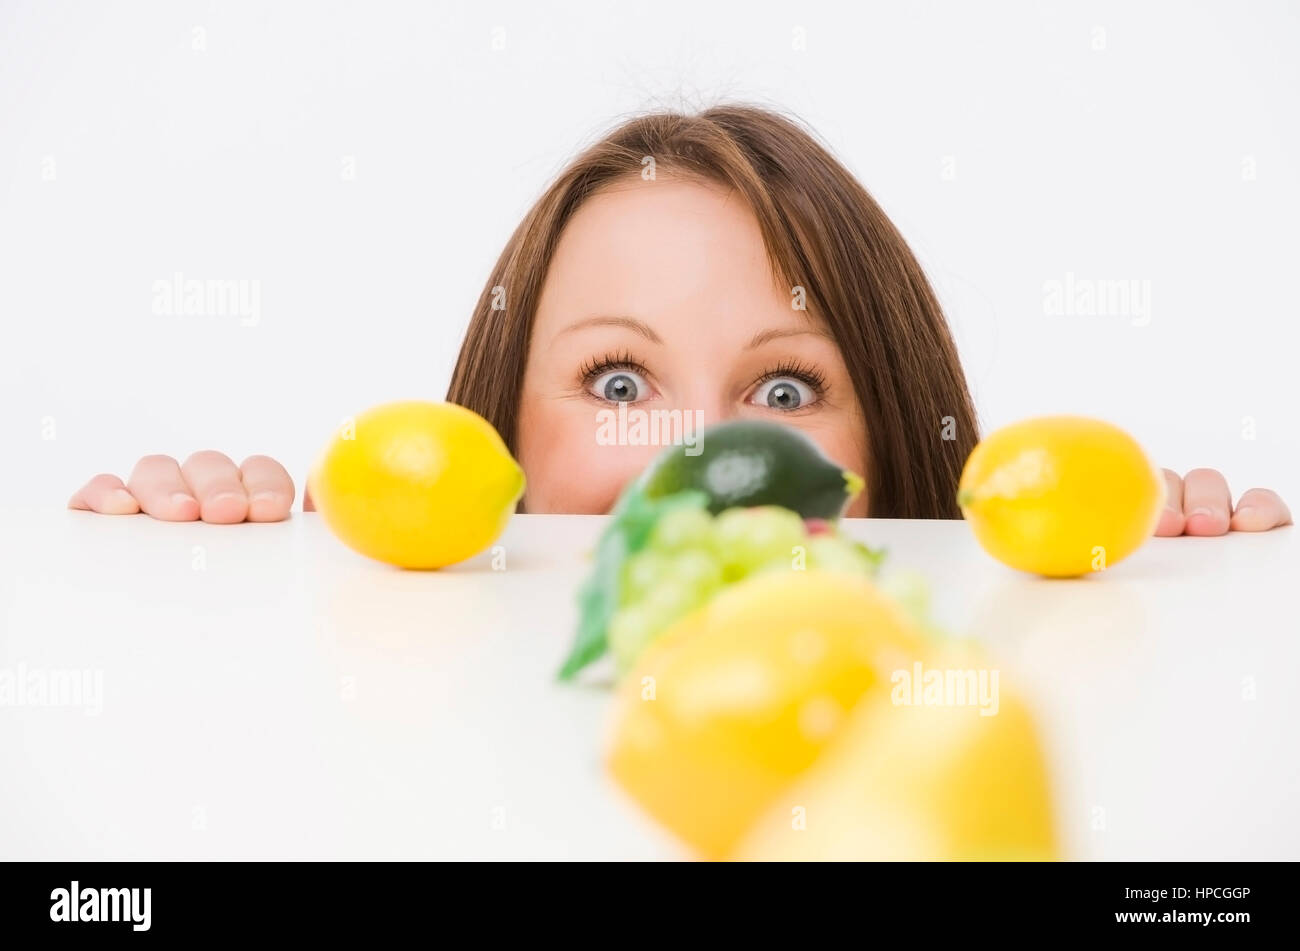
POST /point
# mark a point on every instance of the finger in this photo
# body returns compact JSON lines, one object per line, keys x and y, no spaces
{"x":1171,"y":517}
{"x":157,"y":485}
{"x":269,"y":488}
{"x":1207,"y":504}
{"x":214,"y":479}
{"x":1258,"y":510}
{"x":106,"y":495}
{"x":307,"y":504}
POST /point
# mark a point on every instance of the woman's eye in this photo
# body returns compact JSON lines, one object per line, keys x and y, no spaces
{"x":784,"y":393}
{"x":621,"y":386}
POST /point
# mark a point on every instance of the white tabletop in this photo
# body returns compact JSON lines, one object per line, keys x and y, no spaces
{"x":266,"y":693}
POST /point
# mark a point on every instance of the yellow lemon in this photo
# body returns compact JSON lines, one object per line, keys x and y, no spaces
{"x":1060,"y":495}
{"x":731,"y":703}
{"x":957,"y":774}
{"x":417,"y":484}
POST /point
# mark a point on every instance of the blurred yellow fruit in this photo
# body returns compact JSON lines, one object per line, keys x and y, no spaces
{"x":417,"y":484}
{"x":1060,"y":495}
{"x":918,"y":782}
{"x":736,"y":699}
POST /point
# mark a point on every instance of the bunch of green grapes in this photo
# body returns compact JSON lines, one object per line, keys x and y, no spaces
{"x":691,"y":554}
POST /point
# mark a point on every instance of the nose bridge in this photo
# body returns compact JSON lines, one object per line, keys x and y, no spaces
{"x":705,"y":394}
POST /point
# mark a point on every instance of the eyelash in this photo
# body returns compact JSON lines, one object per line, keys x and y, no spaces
{"x":799,"y":371}
{"x":624,"y":360}
{"x":611,"y":361}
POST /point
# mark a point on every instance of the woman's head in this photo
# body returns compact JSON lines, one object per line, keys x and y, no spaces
{"x":722,"y":265}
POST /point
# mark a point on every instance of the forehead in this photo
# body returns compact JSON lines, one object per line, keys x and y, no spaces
{"x":655,"y":246}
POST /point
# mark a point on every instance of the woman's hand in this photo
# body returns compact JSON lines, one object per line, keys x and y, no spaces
{"x":207,"y":486}
{"x":1200,"y":504}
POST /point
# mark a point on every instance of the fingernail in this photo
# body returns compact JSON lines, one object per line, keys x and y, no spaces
{"x":180,"y":498}
{"x":264,"y":496}
{"x":1200,"y":511}
{"x":1246,"y":511}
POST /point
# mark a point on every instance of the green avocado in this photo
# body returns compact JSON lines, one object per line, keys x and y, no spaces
{"x":747,"y":462}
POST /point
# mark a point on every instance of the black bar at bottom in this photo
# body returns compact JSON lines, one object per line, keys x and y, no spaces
{"x":249,"y":899}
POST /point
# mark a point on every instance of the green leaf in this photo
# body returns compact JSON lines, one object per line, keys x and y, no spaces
{"x":874,"y":555}
{"x":629,"y":529}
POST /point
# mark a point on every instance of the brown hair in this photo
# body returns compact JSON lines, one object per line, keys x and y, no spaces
{"x":823,"y":232}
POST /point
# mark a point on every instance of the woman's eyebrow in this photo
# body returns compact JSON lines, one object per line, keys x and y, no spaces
{"x":631,"y":323}
{"x":763,"y":336}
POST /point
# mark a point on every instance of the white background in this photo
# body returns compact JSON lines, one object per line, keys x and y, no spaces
{"x":1112,"y":141}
